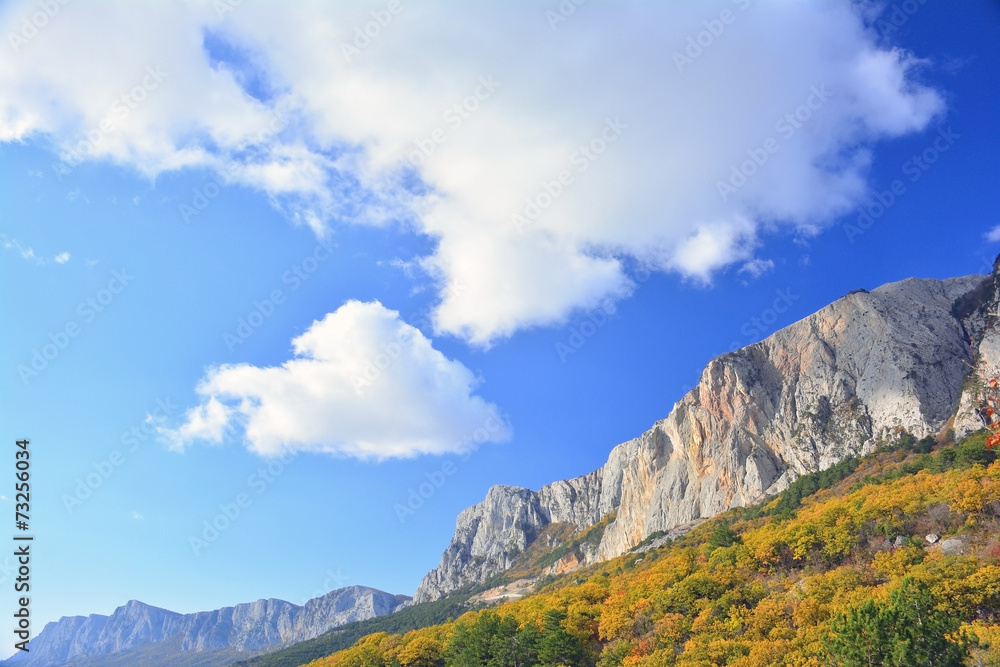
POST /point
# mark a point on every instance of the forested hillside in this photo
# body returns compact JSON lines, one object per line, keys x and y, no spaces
{"x":892,"y":559}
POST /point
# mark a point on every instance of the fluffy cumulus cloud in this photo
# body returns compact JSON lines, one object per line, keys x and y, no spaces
{"x":362,"y":383}
{"x":547,"y":155}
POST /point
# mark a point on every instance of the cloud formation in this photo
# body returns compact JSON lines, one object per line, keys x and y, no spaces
{"x":545,"y":157}
{"x":362,"y":383}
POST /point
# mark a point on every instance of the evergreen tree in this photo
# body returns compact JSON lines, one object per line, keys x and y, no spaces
{"x":513,"y":647}
{"x":557,"y":646}
{"x":909,"y":631}
{"x":723,"y":536}
{"x":458,"y":652}
{"x":860,"y":637}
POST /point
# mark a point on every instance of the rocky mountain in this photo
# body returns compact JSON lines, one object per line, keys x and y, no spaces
{"x":204,"y":638}
{"x":834,"y":384}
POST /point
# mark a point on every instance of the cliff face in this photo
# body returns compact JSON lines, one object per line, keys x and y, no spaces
{"x":828,"y":386}
{"x":250,"y":627}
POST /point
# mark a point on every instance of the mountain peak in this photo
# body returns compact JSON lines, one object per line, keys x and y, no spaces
{"x":834,"y":384}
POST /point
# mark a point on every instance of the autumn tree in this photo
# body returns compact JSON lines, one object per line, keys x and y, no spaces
{"x":422,"y":652}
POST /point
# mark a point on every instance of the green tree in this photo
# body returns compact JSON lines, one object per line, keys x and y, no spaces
{"x":722,"y":536}
{"x":556,"y":645}
{"x":909,"y":631}
{"x":493,"y":641}
{"x":512,"y":646}
{"x":460,"y":651}
{"x":860,"y":637}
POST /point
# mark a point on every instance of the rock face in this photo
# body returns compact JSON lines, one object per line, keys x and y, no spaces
{"x":244,"y":628}
{"x":829,"y":386}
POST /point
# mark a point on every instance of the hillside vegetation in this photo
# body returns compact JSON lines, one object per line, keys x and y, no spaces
{"x":836,"y":570}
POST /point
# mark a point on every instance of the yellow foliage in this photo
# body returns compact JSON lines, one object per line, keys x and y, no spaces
{"x":988,"y":652}
{"x":421,"y":652}
{"x":671,"y":629}
{"x":973,"y":496}
{"x":809,"y":612}
{"x":770,"y":621}
{"x":616,"y":618}
{"x":766,"y":600}
{"x":896,"y":563}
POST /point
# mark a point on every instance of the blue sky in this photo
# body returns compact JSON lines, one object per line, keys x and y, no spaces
{"x":376,"y":209}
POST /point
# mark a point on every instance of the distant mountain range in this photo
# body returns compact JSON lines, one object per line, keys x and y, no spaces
{"x":139,"y":634}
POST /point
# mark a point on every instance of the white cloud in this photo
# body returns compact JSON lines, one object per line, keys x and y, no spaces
{"x":208,"y":422}
{"x":757,"y":267}
{"x":61,"y":258}
{"x":993,"y":235}
{"x":712,"y":246}
{"x":329,"y":139}
{"x":26,"y":253}
{"x":362,"y":383}
{"x":137,"y":516}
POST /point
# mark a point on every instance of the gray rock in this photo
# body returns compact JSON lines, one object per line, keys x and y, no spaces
{"x":834,"y":384}
{"x":952,"y":547}
{"x":932,"y":538}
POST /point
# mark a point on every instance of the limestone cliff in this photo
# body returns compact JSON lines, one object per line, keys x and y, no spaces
{"x":833,"y":384}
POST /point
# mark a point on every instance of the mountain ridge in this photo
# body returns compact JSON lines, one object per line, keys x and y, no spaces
{"x":226,"y":633}
{"x":831,"y":385}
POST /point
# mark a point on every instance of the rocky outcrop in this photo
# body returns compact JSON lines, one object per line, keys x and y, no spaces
{"x":833,"y":384}
{"x":244,"y":628}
